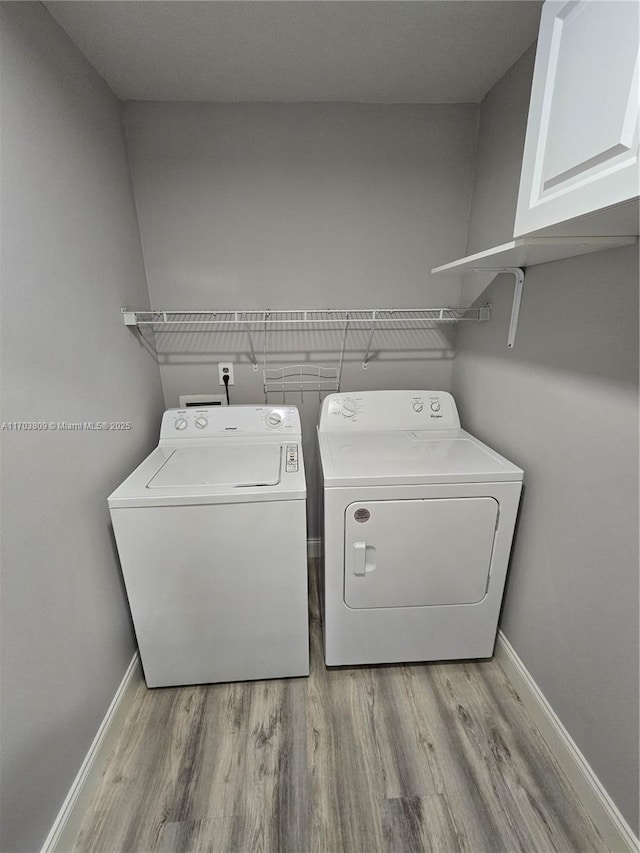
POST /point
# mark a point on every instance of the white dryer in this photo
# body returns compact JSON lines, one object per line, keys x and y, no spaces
{"x":418,"y":520}
{"x":211,"y":532}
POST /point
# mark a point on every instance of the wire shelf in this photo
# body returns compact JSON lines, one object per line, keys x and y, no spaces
{"x":306,"y":376}
{"x":257,"y":320}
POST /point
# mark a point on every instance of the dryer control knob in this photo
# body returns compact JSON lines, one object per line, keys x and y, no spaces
{"x":274,"y":419}
{"x":201,"y":422}
{"x":418,"y":407}
{"x":181,"y":423}
{"x":348,"y":408}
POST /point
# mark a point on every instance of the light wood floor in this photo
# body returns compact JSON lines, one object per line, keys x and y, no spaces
{"x":400,"y":759}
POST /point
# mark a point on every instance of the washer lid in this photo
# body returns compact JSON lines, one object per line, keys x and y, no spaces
{"x":216,"y":465}
{"x":233,"y":470}
{"x":400,"y":457}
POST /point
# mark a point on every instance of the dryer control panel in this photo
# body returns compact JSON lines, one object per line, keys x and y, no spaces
{"x":218,"y":421}
{"x":388,"y":410}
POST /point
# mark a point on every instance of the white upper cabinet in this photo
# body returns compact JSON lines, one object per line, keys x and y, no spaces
{"x":581,"y":148}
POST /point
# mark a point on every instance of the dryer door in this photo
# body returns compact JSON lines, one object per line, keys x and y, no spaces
{"x":410,"y":553}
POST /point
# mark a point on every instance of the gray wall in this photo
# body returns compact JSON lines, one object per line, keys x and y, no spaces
{"x":301,"y":206}
{"x":564,"y":405}
{"x":70,"y":259}
{"x":503,"y":122}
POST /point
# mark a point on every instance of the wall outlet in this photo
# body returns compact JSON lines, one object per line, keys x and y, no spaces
{"x":225,"y":368}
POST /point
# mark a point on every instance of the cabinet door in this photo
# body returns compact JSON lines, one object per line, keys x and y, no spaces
{"x":581,"y":148}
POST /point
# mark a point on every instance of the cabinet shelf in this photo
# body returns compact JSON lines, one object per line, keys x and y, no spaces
{"x":531,"y":251}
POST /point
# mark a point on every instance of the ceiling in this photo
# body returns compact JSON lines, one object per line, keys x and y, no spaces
{"x":369,"y":51}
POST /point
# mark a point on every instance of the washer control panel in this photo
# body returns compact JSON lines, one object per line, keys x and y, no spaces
{"x":291,"y":461}
{"x":210,"y":421}
{"x":389,"y":410}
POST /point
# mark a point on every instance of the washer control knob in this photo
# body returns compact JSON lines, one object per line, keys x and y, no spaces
{"x":181,"y":423}
{"x":348,"y":408}
{"x":201,"y":422}
{"x":274,"y":419}
{"x":418,"y":406}
{"x":435,"y":406}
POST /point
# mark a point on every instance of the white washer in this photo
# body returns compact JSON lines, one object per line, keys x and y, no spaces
{"x":211,"y":532}
{"x":418,"y":521}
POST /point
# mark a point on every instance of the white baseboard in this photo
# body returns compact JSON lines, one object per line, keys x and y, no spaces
{"x":603,"y":812}
{"x":65,"y":828}
{"x":314,"y":548}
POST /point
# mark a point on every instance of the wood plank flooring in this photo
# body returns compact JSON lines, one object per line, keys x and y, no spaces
{"x":396,"y":759}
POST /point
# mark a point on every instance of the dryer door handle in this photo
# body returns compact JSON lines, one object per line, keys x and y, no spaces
{"x":359,"y":558}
